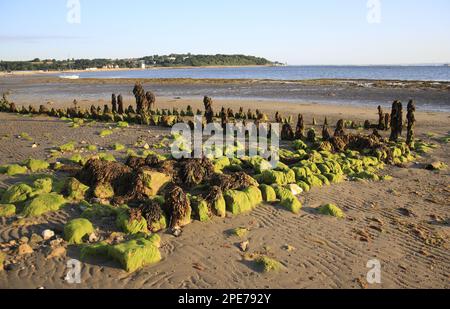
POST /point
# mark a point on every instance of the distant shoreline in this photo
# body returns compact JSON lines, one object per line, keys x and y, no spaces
{"x":37,"y":72}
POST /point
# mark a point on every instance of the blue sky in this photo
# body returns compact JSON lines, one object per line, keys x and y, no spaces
{"x":293,"y":31}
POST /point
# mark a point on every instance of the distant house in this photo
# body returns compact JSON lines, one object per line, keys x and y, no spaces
{"x":143,"y":65}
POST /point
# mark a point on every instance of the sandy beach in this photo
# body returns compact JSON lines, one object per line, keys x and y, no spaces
{"x":404,"y":223}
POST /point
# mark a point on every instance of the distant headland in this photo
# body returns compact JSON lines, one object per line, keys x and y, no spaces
{"x":172,"y":60}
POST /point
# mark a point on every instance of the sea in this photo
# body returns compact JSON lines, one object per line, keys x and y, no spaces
{"x":405,"y":73}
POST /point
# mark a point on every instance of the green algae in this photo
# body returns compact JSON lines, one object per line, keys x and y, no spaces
{"x":44,"y":203}
{"x":16,"y":194}
{"x":268,"y":193}
{"x":37,"y":165}
{"x":76,"y":230}
{"x":331,"y":210}
{"x":7,"y":210}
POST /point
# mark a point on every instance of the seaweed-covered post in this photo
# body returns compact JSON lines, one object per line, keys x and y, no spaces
{"x":411,"y":123}
{"x":120,"y":104}
{"x":387,"y":121}
{"x":339,"y":128}
{"x":278,"y":118}
{"x":380,"y":118}
{"x":114,"y":103}
{"x":299,"y":131}
{"x":224,"y":118}
{"x":209,"y":113}
{"x":106,"y":109}
{"x":326,"y":134}
{"x":396,"y":121}
{"x":151,"y":100}
{"x":141,"y":100}
{"x":287,"y":133}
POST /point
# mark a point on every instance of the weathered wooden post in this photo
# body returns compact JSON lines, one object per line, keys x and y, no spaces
{"x":114,"y":103}
{"x":299,"y":130}
{"x":120,"y":109}
{"x":411,"y":123}
{"x":339,"y":128}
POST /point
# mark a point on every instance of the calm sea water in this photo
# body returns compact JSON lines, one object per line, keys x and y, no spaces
{"x":420,"y":73}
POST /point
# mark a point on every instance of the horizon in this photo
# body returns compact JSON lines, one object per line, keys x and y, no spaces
{"x":355,"y":33}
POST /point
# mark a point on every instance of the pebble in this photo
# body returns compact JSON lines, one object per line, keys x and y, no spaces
{"x":57,"y":252}
{"x":48,"y":234}
{"x":244,"y":245}
{"x":24,"y":249}
{"x":93,"y":238}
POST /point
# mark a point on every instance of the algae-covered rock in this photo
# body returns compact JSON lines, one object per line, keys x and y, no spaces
{"x":75,"y":230}
{"x":16,"y":194}
{"x":334,"y":178}
{"x":131,"y":225}
{"x":436,"y":166}
{"x":367,"y":176}
{"x":37,"y":165}
{"x":259,"y":164}
{"x":98,"y":249}
{"x":270,"y":177}
{"x":240,"y":232}
{"x":105,"y":133}
{"x":239,"y":202}
{"x":69,"y":147}
{"x":221,"y":163}
{"x":135,"y":253}
{"x":331,"y":210}
{"x":16,"y":169}
{"x":288,"y":200}
{"x":44,"y":203}
{"x":313,"y":181}
{"x":305,"y":187}
{"x":119,"y":147}
{"x":77,"y":158}
{"x":108,"y":157}
{"x":122,"y":124}
{"x":268,"y":193}
{"x":301,"y":173}
{"x":268,"y":264}
{"x":75,"y":190}
{"x":99,"y":211}
{"x":299,"y":145}
{"x":154,"y":182}
{"x":200,"y":209}
{"x":324,"y":179}
{"x":41,"y":186}
{"x":104,"y":191}
{"x":7,"y":210}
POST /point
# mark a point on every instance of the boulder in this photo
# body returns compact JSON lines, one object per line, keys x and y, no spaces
{"x":75,"y":230}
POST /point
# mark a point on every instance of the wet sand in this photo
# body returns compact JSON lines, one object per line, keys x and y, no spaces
{"x":411,"y":245}
{"x":38,"y":90}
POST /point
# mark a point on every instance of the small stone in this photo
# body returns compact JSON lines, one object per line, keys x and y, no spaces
{"x":93,"y":238}
{"x":48,"y":234}
{"x":244,"y":246}
{"x":146,"y":146}
{"x":176,"y":231}
{"x":24,"y":240}
{"x":24,"y":249}
{"x":34,"y":146}
{"x":35,"y":239}
{"x":56,"y":242}
{"x":57,"y":252}
{"x":289,"y":248}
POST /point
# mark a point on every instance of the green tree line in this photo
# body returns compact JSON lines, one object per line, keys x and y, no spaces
{"x":172,"y":60}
